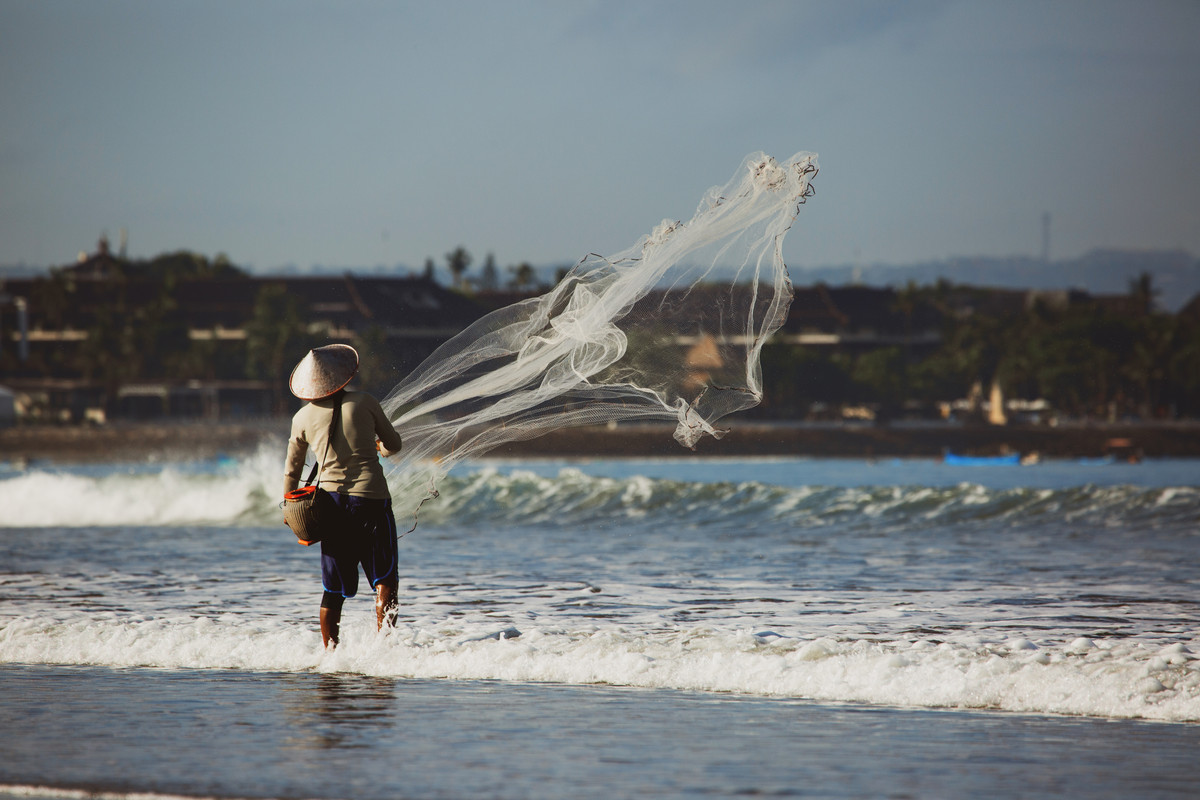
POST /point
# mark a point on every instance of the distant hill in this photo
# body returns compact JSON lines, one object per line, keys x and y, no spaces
{"x":1176,"y":273}
{"x":21,"y":271}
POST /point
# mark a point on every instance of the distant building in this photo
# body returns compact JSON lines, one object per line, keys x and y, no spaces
{"x":83,"y":303}
{"x":174,"y":334}
{"x":857,"y":318}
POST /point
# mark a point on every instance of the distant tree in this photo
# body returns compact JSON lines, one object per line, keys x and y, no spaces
{"x":106,"y":354}
{"x":489,"y":280}
{"x":222,"y":266}
{"x":906,"y":302}
{"x":429,"y":269}
{"x":157,"y":335}
{"x":936,"y":378}
{"x":796,"y":377}
{"x":1183,"y":386}
{"x":973,"y":348}
{"x":170,"y":268}
{"x":51,"y":295}
{"x":377,"y":369}
{"x":457,"y":262}
{"x":523,"y":276}
{"x":883,"y":375}
{"x":1142,"y":290}
{"x":1148,"y":364}
{"x":1077,"y":359}
{"x":276,"y":336}
{"x":200,"y":361}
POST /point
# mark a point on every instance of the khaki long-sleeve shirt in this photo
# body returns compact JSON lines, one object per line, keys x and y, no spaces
{"x":353,"y":463}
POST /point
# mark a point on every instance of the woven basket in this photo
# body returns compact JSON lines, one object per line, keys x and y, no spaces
{"x":312,"y":514}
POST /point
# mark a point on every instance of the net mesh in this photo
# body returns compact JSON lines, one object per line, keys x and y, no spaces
{"x":670,"y":329}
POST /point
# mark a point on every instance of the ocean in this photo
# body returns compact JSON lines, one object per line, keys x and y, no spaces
{"x":681,"y":627}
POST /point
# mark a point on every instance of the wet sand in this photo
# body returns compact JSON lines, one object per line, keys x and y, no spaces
{"x":109,"y":732}
{"x":192,"y":440}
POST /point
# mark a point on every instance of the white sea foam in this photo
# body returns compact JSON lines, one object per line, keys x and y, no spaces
{"x":1103,"y":678}
{"x":222,"y":492}
{"x":57,"y":793}
{"x":246,"y":491}
{"x":1068,"y":600}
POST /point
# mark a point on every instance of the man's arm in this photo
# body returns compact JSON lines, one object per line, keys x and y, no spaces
{"x":389,"y":438}
{"x":293,"y":467}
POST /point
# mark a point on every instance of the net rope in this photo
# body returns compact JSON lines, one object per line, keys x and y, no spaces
{"x":670,"y":329}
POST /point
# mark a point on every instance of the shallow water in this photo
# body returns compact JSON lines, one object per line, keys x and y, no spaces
{"x":336,"y":735}
{"x":728,"y":597}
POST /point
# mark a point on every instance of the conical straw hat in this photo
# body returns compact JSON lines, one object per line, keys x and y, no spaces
{"x":323,"y":371}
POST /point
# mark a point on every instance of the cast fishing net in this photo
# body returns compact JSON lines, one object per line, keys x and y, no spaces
{"x":670,"y":329}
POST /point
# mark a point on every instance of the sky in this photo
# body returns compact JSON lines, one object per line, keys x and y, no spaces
{"x":358,"y":134}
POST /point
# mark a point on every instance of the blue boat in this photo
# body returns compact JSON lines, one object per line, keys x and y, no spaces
{"x":1010,"y":459}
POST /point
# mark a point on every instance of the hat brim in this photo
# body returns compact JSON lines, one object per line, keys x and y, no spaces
{"x":324,"y":371}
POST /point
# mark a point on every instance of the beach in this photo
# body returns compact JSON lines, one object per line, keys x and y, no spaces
{"x":610,"y":627}
{"x":669,"y":627}
{"x":344,"y":735}
{"x":203,"y":440}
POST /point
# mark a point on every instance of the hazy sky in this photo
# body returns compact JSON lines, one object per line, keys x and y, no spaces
{"x":365,"y":133}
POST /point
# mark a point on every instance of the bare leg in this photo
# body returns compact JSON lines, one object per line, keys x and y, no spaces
{"x":331,"y":617}
{"x":329,"y":626}
{"x":385,"y":605}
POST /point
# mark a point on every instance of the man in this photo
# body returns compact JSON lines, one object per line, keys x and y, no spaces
{"x":349,"y":446}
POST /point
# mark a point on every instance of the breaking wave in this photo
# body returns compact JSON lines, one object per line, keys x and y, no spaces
{"x":1066,"y":600}
{"x":1106,"y":678}
{"x":244,"y":493}
{"x":572,"y":498}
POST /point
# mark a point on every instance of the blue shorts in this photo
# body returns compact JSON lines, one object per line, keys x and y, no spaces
{"x":369,"y":539}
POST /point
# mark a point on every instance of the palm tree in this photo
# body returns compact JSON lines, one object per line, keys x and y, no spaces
{"x":524,"y":276}
{"x":458,"y":261}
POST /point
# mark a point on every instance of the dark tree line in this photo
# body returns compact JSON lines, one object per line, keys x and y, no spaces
{"x":1087,"y":359}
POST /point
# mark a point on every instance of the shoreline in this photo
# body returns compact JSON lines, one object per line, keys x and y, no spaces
{"x":200,"y":441}
{"x":1179,"y":440}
